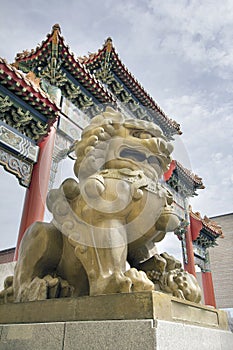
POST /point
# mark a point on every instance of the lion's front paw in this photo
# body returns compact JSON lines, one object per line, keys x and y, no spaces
{"x":58,"y":288}
{"x":140,"y":281}
{"x":7,"y":294}
{"x":34,"y":290}
{"x":115,"y":283}
{"x":45,"y":288}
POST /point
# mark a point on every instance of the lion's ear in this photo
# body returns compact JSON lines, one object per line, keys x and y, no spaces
{"x":52,"y":198}
{"x":113,"y":116}
{"x":110,"y":110}
{"x":170,"y":147}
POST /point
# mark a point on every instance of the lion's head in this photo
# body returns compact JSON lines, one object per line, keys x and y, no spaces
{"x":112,"y":142}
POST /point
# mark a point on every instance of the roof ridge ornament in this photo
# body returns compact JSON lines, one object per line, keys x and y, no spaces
{"x":56,"y":27}
{"x":104,"y":72}
{"x":56,"y":30}
{"x":108,"y":44}
{"x":33,"y":78}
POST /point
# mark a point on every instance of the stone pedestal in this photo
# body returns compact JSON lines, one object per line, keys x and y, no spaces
{"x":147,"y":320}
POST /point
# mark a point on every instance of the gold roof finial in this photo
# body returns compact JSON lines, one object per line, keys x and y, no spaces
{"x":56,"y":27}
{"x":55,"y":33}
{"x":108,"y":44}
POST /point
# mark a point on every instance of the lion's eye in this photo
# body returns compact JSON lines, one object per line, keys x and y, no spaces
{"x":142,"y":134}
{"x":132,"y":154}
{"x":154,"y":160}
{"x":145,"y":135}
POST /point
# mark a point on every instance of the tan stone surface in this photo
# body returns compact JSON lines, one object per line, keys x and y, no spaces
{"x":121,"y":306}
{"x":114,"y":214}
{"x":32,"y":336}
{"x":113,"y":335}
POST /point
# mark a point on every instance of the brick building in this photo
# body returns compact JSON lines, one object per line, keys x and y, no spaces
{"x":221,"y":261}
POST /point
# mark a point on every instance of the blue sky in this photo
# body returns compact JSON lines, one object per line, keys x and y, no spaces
{"x":180,"y":51}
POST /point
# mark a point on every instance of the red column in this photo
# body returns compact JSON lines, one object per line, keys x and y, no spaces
{"x":35,"y":198}
{"x":190,"y":266}
{"x":208,"y":288}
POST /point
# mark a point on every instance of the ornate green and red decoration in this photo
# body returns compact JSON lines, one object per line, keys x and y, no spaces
{"x":91,"y":81}
{"x":23,"y":104}
{"x":26,"y":115}
{"x":205,"y":232}
{"x":108,"y":67}
{"x":55,"y":63}
{"x":182,"y":180}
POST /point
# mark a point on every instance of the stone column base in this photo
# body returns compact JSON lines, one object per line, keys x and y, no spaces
{"x":113,"y":335}
{"x":137,"y":321}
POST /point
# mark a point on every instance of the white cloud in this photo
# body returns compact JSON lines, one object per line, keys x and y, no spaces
{"x":208,"y":141}
{"x":199,"y":31}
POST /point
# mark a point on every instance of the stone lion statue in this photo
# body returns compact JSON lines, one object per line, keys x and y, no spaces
{"x":114,"y":214}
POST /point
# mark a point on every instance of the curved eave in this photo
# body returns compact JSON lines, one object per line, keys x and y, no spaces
{"x":94,"y":59}
{"x":209,"y":227}
{"x":210,"y":232}
{"x":83,"y":76}
{"x":192,"y":179}
{"x":93,"y":62}
{"x":73,"y":65}
{"x":146,"y":100}
{"x":16,"y":82}
{"x":40,"y":51}
{"x":212,"y":226}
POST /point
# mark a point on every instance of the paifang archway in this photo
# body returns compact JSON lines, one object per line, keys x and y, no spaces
{"x":47,"y":97}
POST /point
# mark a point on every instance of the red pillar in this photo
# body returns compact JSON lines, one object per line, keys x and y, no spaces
{"x":190,"y":266}
{"x":35,"y":198}
{"x":208,"y":288}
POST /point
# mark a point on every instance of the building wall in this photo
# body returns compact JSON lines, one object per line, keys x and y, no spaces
{"x":7,"y":255}
{"x":6,"y":265}
{"x":6,"y":270}
{"x":221,"y":262}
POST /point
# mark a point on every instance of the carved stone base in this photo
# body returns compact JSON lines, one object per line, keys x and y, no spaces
{"x":113,"y":335}
{"x":121,"y":306}
{"x":147,"y":320}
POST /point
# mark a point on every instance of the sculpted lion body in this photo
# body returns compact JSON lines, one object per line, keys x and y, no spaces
{"x":114,"y":214}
